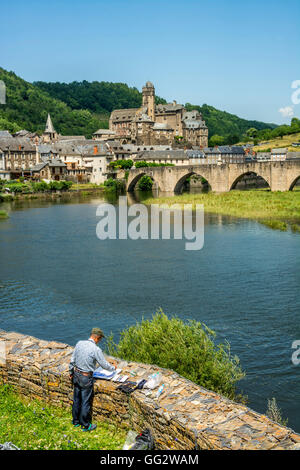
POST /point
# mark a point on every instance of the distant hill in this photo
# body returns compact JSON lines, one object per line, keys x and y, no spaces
{"x":104,"y":97}
{"x":98,"y":97}
{"x":80,"y":108}
{"x":225,"y":124}
{"x":27,"y":107}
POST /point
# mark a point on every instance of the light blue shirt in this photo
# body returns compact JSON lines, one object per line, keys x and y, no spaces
{"x":86,"y":355}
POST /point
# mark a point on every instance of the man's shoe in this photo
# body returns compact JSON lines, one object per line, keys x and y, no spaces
{"x":76,"y":425}
{"x":90,"y":427}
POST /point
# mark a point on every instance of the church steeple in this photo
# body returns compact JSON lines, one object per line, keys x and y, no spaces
{"x":49,"y":129}
{"x":50,"y":132}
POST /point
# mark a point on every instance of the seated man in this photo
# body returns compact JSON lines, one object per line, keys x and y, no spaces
{"x":82,"y":365}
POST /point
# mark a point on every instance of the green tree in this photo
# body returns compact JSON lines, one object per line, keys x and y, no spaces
{"x":252,"y":132}
{"x":216,"y":140}
{"x":145,"y":183}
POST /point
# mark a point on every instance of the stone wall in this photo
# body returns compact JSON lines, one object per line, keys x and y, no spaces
{"x":184,"y":416}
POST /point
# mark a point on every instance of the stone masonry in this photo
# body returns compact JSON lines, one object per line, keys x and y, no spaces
{"x":281,"y":176}
{"x":185,"y":416}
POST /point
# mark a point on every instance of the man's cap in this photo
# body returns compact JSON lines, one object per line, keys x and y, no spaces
{"x":97,"y":332}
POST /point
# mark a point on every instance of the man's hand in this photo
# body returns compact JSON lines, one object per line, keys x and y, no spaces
{"x":71,"y":377}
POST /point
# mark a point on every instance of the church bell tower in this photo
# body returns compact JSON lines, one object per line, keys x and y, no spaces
{"x":149,"y":99}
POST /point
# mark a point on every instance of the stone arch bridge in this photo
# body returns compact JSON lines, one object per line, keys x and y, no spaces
{"x":280,"y":176}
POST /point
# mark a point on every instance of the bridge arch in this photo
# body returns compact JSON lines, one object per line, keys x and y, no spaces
{"x":180,"y":183}
{"x":132,"y":184}
{"x":247,"y":176}
{"x":294,"y":183}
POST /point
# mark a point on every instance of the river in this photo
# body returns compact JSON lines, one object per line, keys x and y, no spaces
{"x":57,"y":280}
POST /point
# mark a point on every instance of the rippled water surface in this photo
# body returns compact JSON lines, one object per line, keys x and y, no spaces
{"x":57,"y":280}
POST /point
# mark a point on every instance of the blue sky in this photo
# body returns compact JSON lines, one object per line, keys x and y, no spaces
{"x":239,"y":56}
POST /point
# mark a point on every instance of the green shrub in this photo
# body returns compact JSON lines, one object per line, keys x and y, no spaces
{"x":3,"y":215}
{"x":114,"y":184}
{"x":54,"y":185}
{"x":144,"y":164}
{"x":110,"y":182}
{"x":17,"y":187}
{"x":65,"y":185}
{"x":187,"y":348}
{"x":123,"y":164}
{"x":40,"y":186}
{"x":145,"y":183}
{"x":141,"y":164}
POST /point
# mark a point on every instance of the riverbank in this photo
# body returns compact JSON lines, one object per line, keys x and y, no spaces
{"x":34,"y":424}
{"x":278,"y":210}
{"x":82,"y":190}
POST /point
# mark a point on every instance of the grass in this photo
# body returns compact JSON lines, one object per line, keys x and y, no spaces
{"x":277,"y":210}
{"x":33,"y":424}
{"x":286,"y":141}
{"x":80,"y":186}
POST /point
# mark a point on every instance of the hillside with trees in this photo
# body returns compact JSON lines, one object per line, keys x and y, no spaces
{"x":80,"y":108}
{"x":257,"y":135}
{"x":225,"y":128}
{"x":98,"y":97}
{"x":27,"y":107}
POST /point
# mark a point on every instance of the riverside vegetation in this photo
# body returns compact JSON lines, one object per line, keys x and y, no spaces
{"x":187,"y":348}
{"x":277,"y":210}
{"x":33,"y":189}
{"x":3,"y":215}
{"x":30,"y":187}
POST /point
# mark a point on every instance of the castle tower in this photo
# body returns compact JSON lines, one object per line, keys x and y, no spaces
{"x":149,"y":99}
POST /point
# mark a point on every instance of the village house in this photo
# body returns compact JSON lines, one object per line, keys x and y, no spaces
{"x":208,"y":155}
{"x":175,"y":157}
{"x":97,"y":161}
{"x":51,"y":169}
{"x":104,"y":134}
{"x":263,"y":156}
{"x":278,"y":154}
{"x":18,"y":156}
{"x":232,"y":154}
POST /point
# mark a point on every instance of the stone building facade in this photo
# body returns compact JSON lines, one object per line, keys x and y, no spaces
{"x":17,"y":156}
{"x":158,"y":124}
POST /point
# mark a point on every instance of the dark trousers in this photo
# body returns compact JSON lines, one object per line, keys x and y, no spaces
{"x":82,"y":399}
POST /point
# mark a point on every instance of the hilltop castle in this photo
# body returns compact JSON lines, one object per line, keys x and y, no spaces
{"x":158,"y":124}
